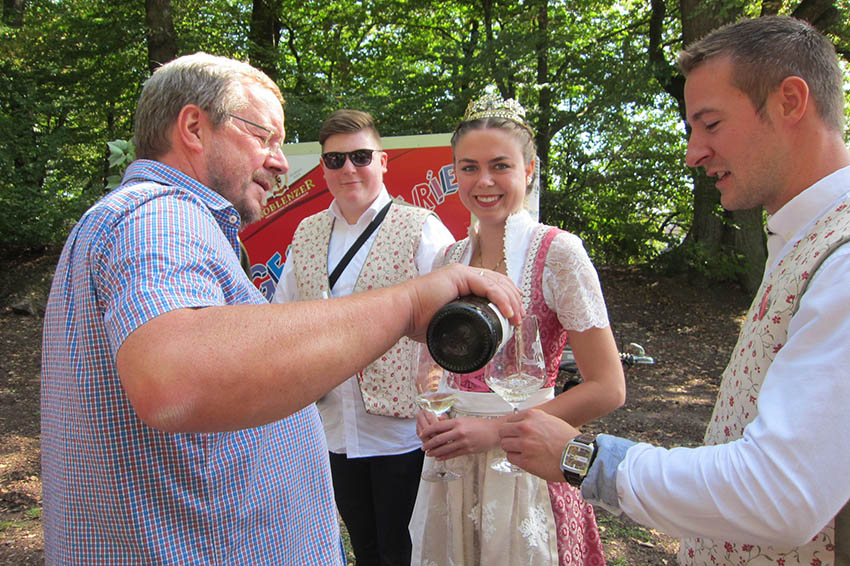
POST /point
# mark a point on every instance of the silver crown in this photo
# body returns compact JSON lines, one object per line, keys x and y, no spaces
{"x":492,"y":105}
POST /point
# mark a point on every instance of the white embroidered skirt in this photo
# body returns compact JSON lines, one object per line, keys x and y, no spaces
{"x":485,"y":517}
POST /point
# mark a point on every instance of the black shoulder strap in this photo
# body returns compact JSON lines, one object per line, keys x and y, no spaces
{"x":343,"y":263}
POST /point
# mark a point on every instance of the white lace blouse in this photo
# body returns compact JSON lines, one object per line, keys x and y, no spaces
{"x":570,"y":283}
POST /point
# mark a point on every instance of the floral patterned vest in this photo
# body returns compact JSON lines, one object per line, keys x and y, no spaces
{"x":763,"y":334}
{"x":387,"y":384}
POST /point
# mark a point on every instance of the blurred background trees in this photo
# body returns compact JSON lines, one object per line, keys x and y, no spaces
{"x":598,"y":78}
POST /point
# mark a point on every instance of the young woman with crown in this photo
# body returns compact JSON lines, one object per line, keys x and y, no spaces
{"x":490,"y":517}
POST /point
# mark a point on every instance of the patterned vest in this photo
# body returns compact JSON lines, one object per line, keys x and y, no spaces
{"x":763,"y":334}
{"x":387,"y":384}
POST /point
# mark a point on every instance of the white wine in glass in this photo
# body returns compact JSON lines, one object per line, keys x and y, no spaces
{"x":435,"y":395}
{"x":437,"y":403}
{"x":515,"y":373}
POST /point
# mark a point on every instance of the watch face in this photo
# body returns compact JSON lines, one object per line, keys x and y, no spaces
{"x":577,"y":458}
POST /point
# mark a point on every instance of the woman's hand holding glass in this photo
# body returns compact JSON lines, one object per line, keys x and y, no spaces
{"x":516,"y":372}
{"x":458,"y":436}
{"x":436,"y":396}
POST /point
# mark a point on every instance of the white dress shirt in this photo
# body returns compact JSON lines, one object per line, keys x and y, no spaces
{"x":787,"y":477}
{"x":349,"y":428}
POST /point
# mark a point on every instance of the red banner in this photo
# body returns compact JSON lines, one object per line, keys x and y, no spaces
{"x":419,"y":171}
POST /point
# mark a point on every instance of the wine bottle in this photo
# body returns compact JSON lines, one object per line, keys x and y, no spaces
{"x":466,"y":333}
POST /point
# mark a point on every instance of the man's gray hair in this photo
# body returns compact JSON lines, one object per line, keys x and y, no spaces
{"x":211,"y":82}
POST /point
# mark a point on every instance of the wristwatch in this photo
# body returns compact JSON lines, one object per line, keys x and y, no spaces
{"x":578,"y":457}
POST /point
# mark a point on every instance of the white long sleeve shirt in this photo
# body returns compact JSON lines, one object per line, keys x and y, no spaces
{"x":348,"y":427}
{"x":789,"y":474}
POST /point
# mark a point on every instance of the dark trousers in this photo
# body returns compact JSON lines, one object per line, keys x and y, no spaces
{"x":375,"y":497}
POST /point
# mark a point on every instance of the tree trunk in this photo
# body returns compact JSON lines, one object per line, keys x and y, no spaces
{"x":264,"y":37}
{"x":770,"y":7}
{"x":13,"y":13}
{"x":707,"y":226}
{"x":743,"y":230}
{"x":717,"y":237}
{"x":162,"y":39}
{"x":544,"y":131}
{"x":822,"y":14}
{"x":700,"y":17}
{"x":748,"y":240}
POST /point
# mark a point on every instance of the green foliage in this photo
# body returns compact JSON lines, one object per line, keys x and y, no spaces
{"x":66,"y":85}
{"x":611,"y":140}
{"x":622,"y":527}
{"x":121,"y":154}
{"x":31,"y":514}
{"x":617,"y":177}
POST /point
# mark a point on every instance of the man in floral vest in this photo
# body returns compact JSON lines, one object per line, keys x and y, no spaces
{"x":365,"y":240}
{"x":765,"y":104}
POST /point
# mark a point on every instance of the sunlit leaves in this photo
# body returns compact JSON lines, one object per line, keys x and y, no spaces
{"x":610,"y":136}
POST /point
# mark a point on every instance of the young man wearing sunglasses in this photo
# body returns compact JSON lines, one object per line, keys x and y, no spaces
{"x":366,"y":240}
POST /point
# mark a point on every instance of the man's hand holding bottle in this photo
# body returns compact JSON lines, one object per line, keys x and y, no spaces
{"x":431,"y":292}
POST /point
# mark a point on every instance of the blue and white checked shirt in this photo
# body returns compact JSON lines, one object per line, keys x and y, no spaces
{"x":119,"y":492}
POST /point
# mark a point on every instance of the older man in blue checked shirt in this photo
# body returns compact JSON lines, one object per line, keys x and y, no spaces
{"x":178,"y":424}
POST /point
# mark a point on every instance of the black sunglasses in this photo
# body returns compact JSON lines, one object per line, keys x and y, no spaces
{"x":358,"y":157}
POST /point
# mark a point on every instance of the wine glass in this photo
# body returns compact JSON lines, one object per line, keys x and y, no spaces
{"x":515,"y":373}
{"x":435,"y":394}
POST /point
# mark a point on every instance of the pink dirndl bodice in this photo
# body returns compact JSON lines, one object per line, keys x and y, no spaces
{"x":578,"y":534}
